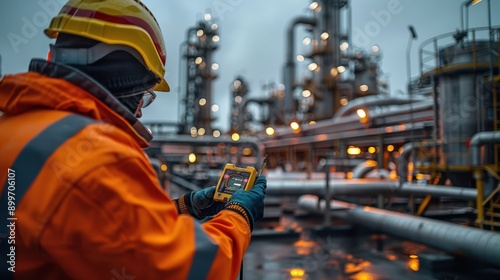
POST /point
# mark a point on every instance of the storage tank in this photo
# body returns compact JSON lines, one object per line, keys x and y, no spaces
{"x":464,"y":104}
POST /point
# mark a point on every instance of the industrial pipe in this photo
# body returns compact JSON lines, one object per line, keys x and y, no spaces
{"x":437,"y":190}
{"x":480,"y":245}
{"x":290,"y":64}
{"x":373,"y":100}
{"x":363,"y":187}
{"x":209,"y":140}
{"x":404,"y":158}
{"x":363,"y":169}
{"x":479,"y":139}
{"x":338,"y":186}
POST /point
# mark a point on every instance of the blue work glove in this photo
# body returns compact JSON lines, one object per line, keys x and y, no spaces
{"x":199,"y":204}
{"x":204,"y":204}
{"x":250,"y":203}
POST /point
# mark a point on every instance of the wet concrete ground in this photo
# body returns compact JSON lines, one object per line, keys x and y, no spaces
{"x":303,"y":249}
{"x":287,"y":246}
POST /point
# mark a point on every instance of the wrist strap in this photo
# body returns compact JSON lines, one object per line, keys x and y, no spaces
{"x":240,"y":209}
{"x":184,"y":205}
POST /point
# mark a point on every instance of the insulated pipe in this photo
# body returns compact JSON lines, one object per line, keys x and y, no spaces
{"x":404,"y":158}
{"x":210,"y":141}
{"x":363,"y":187}
{"x":337,"y":186}
{"x":486,"y":137}
{"x":290,"y":64}
{"x":362,"y":169}
{"x":436,"y":190}
{"x":374,"y":100}
{"x":474,"y":243}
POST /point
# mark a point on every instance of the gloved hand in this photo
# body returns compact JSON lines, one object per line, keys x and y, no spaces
{"x":204,"y":204}
{"x":251,"y":201}
{"x":199,"y":204}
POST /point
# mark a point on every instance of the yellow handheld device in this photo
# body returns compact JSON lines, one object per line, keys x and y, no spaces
{"x":232,"y":179}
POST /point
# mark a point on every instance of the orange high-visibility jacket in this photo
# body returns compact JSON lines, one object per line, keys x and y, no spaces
{"x":94,"y":208}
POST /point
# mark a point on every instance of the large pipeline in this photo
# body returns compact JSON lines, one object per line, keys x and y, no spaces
{"x":481,"y":245}
{"x":363,"y":187}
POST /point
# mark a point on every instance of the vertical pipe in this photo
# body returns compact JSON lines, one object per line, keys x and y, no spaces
{"x":380,"y":201}
{"x":411,"y":204}
{"x":436,"y":112}
{"x":478,"y":176}
{"x":408,"y":54}
{"x":289,"y":72}
{"x":436,"y":51}
{"x":474,"y":49}
{"x":492,"y":61}
{"x":404,"y":159}
{"x":310,"y":157}
{"x":207,"y":89}
{"x":327,"y":195}
{"x":421,"y":63}
{"x":380,"y":154}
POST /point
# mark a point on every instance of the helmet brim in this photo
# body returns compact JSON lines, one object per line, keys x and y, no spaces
{"x":162,"y":86}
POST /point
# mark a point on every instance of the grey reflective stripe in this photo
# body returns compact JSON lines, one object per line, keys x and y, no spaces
{"x":26,"y":166}
{"x":204,"y":254}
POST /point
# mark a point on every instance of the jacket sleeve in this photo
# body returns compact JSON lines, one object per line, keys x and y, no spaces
{"x":118,"y":221}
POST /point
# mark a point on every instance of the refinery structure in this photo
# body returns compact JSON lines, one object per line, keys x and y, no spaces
{"x":338,"y":135}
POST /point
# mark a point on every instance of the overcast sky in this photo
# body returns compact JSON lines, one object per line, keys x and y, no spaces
{"x":252,"y":35}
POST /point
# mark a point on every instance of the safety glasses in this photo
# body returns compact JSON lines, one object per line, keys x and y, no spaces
{"x":148,"y":97}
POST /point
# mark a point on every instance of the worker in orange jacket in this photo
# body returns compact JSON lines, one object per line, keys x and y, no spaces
{"x":79,"y":197}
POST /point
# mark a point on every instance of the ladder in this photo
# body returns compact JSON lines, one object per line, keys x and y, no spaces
{"x":492,"y":203}
{"x":496,"y":116}
{"x":492,"y":210}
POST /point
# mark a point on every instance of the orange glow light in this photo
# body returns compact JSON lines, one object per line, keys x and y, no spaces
{"x":414,"y":264}
{"x":297,"y":272}
{"x":321,"y":137}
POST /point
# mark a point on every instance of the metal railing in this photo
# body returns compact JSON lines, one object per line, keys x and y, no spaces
{"x":430,"y":56}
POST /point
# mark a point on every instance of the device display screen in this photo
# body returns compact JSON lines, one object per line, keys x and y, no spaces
{"x":233,"y":180}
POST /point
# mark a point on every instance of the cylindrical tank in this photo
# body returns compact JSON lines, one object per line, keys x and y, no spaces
{"x":463,"y":104}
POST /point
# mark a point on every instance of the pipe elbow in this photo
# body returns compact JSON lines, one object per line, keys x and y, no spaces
{"x":485,"y":137}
